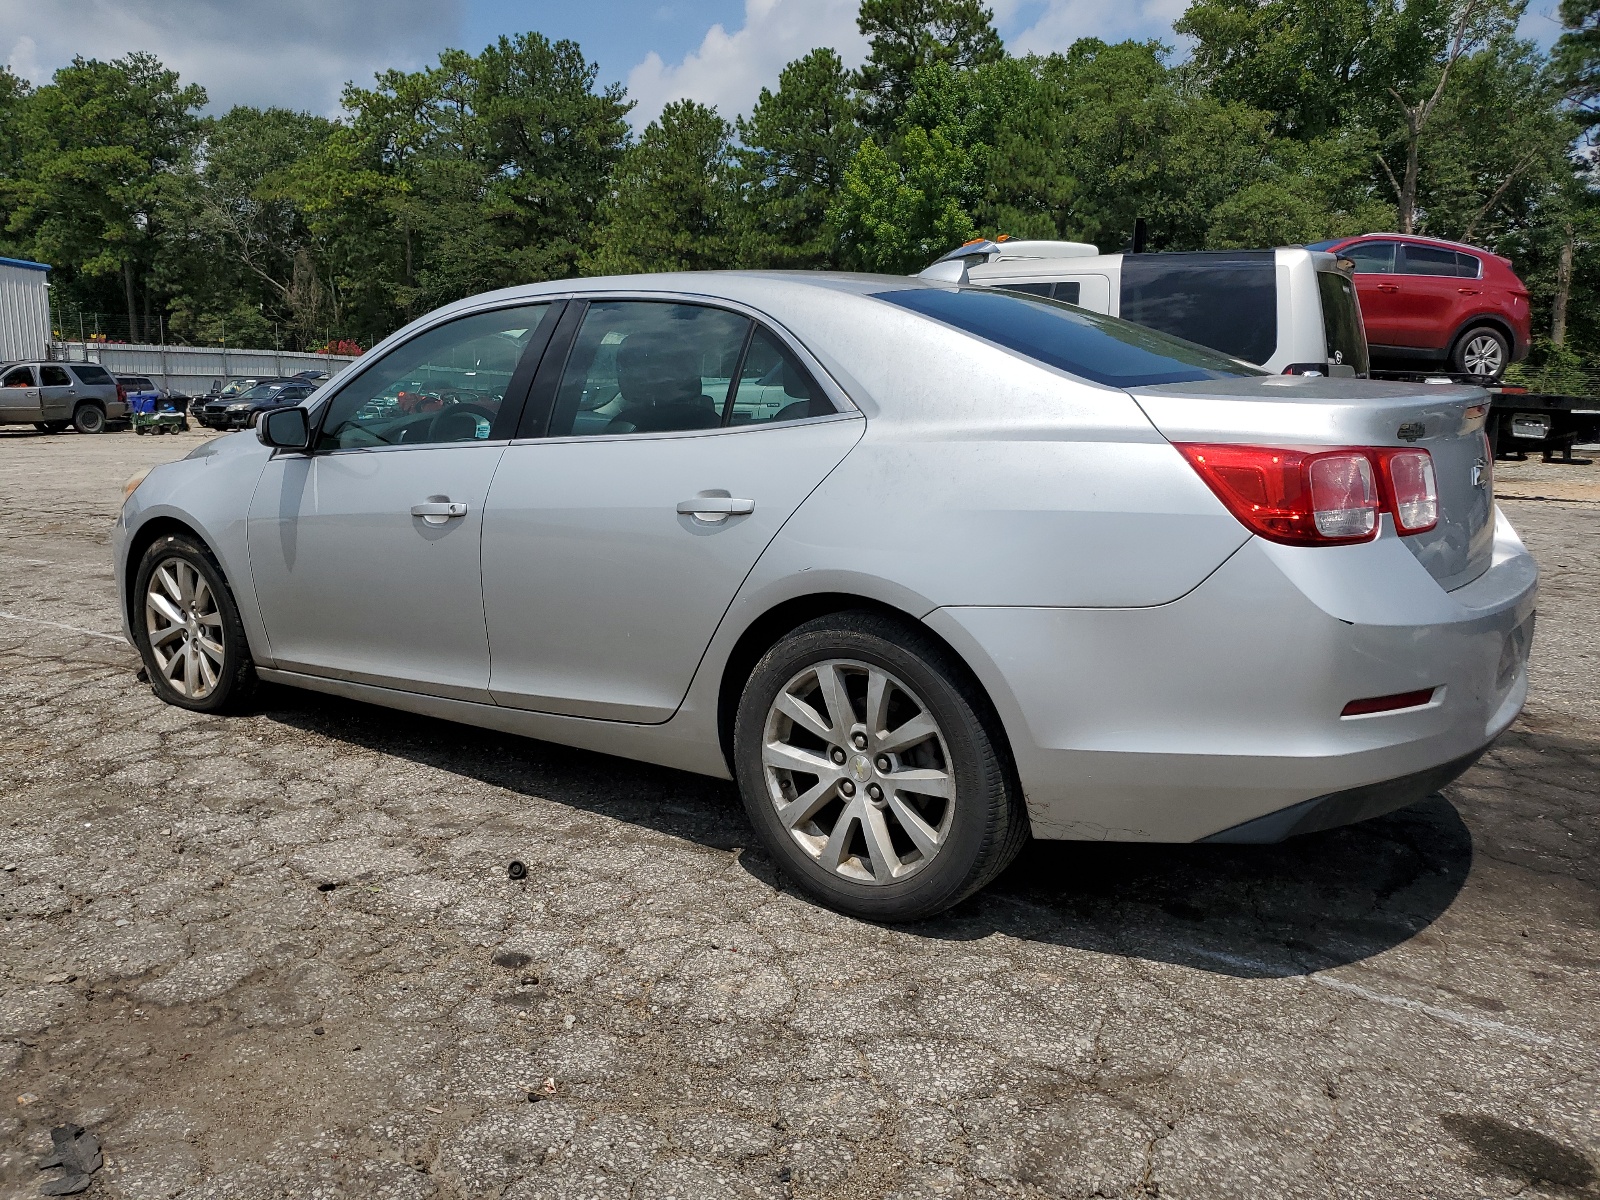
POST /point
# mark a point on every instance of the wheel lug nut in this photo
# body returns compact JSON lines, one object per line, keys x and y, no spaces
{"x":859,"y":741}
{"x":846,"y":788}
{"x":874,"y":791}
{"x":838,"y":756}
{"x":883,"y":763}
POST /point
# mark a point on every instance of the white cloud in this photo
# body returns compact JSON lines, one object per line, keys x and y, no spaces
{"x":1065,"y":21}
{"x":297,"y":53}
{"x":729,"y":70}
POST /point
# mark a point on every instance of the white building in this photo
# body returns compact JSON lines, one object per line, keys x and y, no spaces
{"x":24,"y":309}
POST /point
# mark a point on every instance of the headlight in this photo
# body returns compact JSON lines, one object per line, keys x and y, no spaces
{"x":133,"y":483}
{"x":237,"y":407}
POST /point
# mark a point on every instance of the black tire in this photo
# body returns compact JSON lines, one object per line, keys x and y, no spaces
{"x":57,"y":426}
{"x":987,"y":822}
{"x":236,"y":680}
{"x":89,"y":418}
{"x":1481,"y":352}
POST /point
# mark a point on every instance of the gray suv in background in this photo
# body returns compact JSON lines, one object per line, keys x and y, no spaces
{"x":51,"y":396}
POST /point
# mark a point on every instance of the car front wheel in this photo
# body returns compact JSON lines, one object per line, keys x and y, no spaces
{"x":871,"y":770}
{"x":187,"y":628}
{"x":1482,"y":353}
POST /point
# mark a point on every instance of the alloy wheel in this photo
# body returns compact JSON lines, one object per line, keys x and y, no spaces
{"x":858,"y":771}
{"x":184,"y":625}
{"x":1483,"y":355}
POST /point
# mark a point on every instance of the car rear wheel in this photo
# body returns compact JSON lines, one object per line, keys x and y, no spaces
{"x":89,"y":418}
{"x":1482,"y":353}
{"x":871,"y":771}
{"x":187,"y":628}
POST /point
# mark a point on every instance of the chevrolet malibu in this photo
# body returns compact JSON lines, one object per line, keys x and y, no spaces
{"x":927,"y":569}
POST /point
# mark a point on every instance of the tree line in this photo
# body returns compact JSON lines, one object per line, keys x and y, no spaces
{"x":1289,"y":121}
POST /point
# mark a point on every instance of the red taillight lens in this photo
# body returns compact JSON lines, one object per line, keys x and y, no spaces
{"x":1297,"y":497}
{"x":1413,"y":492}
{"x":1319,"y":497}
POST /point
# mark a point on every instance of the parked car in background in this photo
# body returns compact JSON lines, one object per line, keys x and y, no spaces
{"x":994,"y":565}
{"x":1434,"y":304}
{"x":1290,"y":311}
{"x":241,"y":409}
{"x":55,"y":396}
{"x":226,"y":389}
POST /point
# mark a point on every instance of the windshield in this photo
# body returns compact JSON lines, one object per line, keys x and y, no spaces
{"x":261,"y":392}
{"x":1099,"y":348}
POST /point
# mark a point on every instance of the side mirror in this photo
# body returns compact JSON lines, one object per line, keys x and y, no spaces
{"x":284,"y":428}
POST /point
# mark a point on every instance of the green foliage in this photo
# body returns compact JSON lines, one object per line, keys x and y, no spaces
{"x":792,"y":154}
{"x":1551,"y":369}
{"x":672,"y":206}
{"x":906,"y":36}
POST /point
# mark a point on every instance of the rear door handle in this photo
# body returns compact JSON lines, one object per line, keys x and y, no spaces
{"x":715,"y":508}
{"x":1469,"y":291}
{"x":437,"y":512}
{"x":1388,"y":287}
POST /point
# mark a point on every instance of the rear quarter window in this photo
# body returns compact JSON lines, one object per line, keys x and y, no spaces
{"x":1228,"y":302}
{"x":89,"y":373}
{"x":1089,"y":345}
{"x":1341,"y":321}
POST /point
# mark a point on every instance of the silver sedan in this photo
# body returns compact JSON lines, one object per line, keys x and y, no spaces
{"x":926,"y":569}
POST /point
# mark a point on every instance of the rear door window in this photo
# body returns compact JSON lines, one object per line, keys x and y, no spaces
{"x":1429,"y":260}
{"x":1341,"y":321}
{"x":1228,"y":302}
{"x":1086,"y":344}
{"x":54,"y":377}
{"x":1371,"y":258}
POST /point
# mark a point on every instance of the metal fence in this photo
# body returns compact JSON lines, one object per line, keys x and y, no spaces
{"x":192,"y":370}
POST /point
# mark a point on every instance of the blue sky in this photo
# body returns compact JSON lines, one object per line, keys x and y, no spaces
{"x":300,"y":53}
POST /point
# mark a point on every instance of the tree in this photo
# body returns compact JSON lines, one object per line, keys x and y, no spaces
{"x":906,"y":35}
{"x":1577,"y":59}
{"x":103,"y":147}
{"x":673,"y":201}
{"x":793,"y":152}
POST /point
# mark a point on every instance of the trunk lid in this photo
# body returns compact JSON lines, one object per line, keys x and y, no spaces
{"x":1291,"y":411}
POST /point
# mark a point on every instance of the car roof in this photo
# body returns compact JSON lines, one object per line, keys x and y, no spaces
{"x":1442,"y":243}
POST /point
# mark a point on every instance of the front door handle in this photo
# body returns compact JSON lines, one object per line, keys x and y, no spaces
{"x":437,"y":512}
{"x":1388,"y":287}
{"x":715,"y":508}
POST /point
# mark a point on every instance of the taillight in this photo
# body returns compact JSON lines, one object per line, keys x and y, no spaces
{"x":1319,"y":497}
{"x":1413,"y":493}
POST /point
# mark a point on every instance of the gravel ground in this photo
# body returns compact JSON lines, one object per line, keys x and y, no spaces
{"x":279,"y":955}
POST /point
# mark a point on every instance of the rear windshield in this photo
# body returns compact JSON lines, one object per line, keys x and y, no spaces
{"x":1341,"y":321}
{"x":1103,"y":349}
{"x":1228,"y":301}
{"x":90,"y":373}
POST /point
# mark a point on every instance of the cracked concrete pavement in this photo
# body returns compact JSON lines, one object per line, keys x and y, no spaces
{"x":279,"y":955}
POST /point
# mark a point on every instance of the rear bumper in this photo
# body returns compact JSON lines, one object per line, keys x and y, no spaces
{"x":1196,"y":718}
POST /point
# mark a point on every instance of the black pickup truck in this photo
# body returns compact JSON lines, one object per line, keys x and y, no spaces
{"x":1521,"y":420}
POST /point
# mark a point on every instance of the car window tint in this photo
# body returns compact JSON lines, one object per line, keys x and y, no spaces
{"x":1226,"y":301}
{"x":1429,"y":260}
{"x":773,"y":386}
{"x":445,"y":385}
{"x":17,"y":377}
{"x":1467,"y":266}
{"x":1032,"y":289}
{"x":54,"y":377}
{"x":1341,"y":321}
{"x":1371,"y":258}
{"x":1086,"y":344}
{"x":641,"y":366}
{"x":1068,"y":291}
{"x":89,"y":373}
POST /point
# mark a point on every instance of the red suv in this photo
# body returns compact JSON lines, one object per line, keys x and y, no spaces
{"x":1429,"y":303}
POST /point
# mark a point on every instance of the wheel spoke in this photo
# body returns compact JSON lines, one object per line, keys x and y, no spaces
{"x":169,"y":582}
{"x":805,"y":806}
{"x":919,"y":728}
{"x":808,"y":718}
{"x":166,"y":635}
{"x":925,"y":837}
{"x":886,"y":863}
{"x":922,"y":782}
{"x":839,"y":840}
{"x":191,"y":672}
{"x":208,"y":673}
{"x":212,"y":619}
{"x":202,"y":593}
{"x":166,"y":608}
{"x":840,"y":714}
{"x":878,"y":692}
{"x":209,"y":649}
{"x":792,"y":758}
{"x":186,"y":578}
